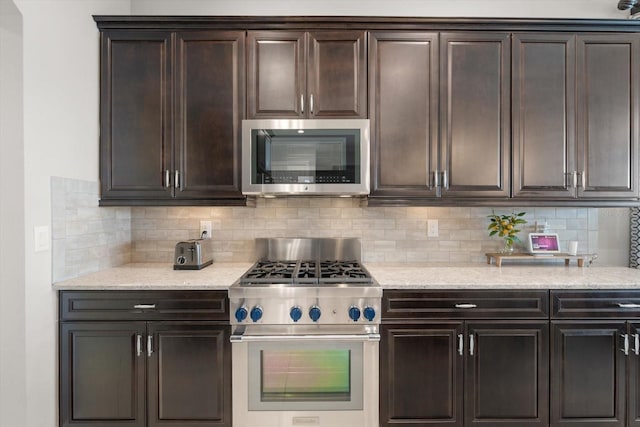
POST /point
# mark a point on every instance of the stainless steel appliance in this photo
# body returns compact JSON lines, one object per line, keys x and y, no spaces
{"x":305,"y":157}
{"x":305,"y":336}
{"x":192,"y":254}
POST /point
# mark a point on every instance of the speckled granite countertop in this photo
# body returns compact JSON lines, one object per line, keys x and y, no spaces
{"x":390,"y":276}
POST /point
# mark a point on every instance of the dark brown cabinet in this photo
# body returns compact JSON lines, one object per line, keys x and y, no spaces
{"x":445,"y":99}
{"x":475,"y":82}
{"x":479,"y":369}
{"x":403,"y":106}
{"x":595,"y":350}
{"x":144,"y":373}
{"x":317,"y":74}
{"x":574,"y":127}
{"x":171,"y":111}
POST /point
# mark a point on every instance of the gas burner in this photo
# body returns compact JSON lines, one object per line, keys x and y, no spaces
{"x":270,"y":272}
{"x":343,"y":271}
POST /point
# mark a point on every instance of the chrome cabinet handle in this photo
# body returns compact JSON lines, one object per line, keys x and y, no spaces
{"x":584,"y":179}
{"x":628,"y":305}
{"x":149,"y":345}
{"x":466,"y":305}
{"x":472,"y":344}
{"x":176,"y":180}
{"x":144,"y":306}
{"x":167,"y":178}
{"x":574,"y":175}
{"x":636,"y":344}
{"x":625,"y":349}
{"x":460,"y":344}
{"x":436,"y":179}
{"x":311,"y":103}
{"x":445,"y":179}
{"x":138,"y":345}
{"x":302,"y":104}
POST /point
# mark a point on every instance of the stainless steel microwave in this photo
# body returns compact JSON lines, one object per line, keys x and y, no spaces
{"x":327,"y":157}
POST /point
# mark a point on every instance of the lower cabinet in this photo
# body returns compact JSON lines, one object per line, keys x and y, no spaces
{"x":490,"y":366}
{"x":143,"y":373}
{"x":595,"y":347}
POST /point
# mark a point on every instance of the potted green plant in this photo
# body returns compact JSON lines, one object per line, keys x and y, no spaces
{"x":506,"y":226}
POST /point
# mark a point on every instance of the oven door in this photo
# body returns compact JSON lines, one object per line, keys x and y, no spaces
{"x":305,"y":379}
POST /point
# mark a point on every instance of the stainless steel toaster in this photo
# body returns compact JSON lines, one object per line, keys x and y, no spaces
{"x":193,"y":254}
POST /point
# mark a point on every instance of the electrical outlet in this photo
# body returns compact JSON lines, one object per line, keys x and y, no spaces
{"x":205,"y":227}
{"x":432,"y":228}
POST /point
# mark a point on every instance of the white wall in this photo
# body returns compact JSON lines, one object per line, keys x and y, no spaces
{"x":463,"y":8}
{"x":12,"y":266}
{"x":60,"y":90}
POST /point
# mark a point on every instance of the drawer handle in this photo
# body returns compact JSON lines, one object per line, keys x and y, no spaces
{"x":466,"y":306}
{"x":628,"y":305}
{"x":144,"y":306}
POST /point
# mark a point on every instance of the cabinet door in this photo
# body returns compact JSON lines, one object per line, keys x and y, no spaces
{"x":403,"y":102}
{"x":421,"y":375}
{"x":276,"y":80}
{"x":189,"y":376}
{"x":507,"y":374}
{"x":474,"y":114}
{"x":102,"y":378}
{"x":135,"y":115}
{"x":588,"y":372}
{"x":337,"y":74}
{"x":209,"y":111}
{"x":634,"y":376}
{"x":608,"y":116}
{"x":543,"y":116}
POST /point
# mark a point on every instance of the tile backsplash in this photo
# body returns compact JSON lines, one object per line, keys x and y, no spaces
{"x":389,"y":234}
{"x":88,"y":238}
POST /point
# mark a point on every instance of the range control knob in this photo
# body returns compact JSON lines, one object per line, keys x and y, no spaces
{"x":315,"y":313}
{"x":256,"y":313}
{"x":354,"y":313}
{"x":369,"y":313}
{"x":241,"y":314}
{"x":295,"y":313}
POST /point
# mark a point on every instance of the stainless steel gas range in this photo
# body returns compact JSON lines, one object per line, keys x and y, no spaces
{"x":305,"y":336}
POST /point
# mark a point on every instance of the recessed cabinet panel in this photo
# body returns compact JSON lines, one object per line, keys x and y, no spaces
{"x":507,"y":374}
{"x":421,"y":375}
{"x":189,"y":374}
{"x":337,"y":74}
{"x":475,"y":97}
{"x":276,"y":74}
{"x":100,"y":367}
{"x":588,"y":374}
{"x":608,"y":122}
{"x":543,"y":115}
{"x":404,"y":111}
{"x":210,"y":108}
{"x":135,"y":115}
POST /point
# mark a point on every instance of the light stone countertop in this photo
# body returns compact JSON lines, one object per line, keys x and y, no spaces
{"x":157,"y":276}
{"x":154,"y":276}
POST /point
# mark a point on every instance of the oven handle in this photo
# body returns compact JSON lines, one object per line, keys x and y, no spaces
{"x":237,"y":338}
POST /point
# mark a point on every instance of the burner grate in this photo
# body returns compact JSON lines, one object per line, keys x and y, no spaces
{"x":306,"y":272}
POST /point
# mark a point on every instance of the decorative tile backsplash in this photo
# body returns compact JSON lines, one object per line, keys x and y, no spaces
{"x":86,"y":238}
{"x":389,"y":234}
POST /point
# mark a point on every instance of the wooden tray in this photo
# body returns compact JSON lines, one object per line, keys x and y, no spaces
{"x":499,"y":257}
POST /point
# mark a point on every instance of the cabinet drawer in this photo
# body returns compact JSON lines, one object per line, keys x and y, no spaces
{"x":578,"y":304}
{"x":144,"y":305}
{"x":481,"y":304}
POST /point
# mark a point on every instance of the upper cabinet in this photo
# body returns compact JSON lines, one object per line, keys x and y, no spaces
{"x":475,"y":101}
{"x":403,"y":104}
{"x":575,"y":120}
{"x":319,"y":74}
{"x":171,"y":111}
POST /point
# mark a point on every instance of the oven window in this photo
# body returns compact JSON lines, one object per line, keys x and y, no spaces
{"x":305,"y":375}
